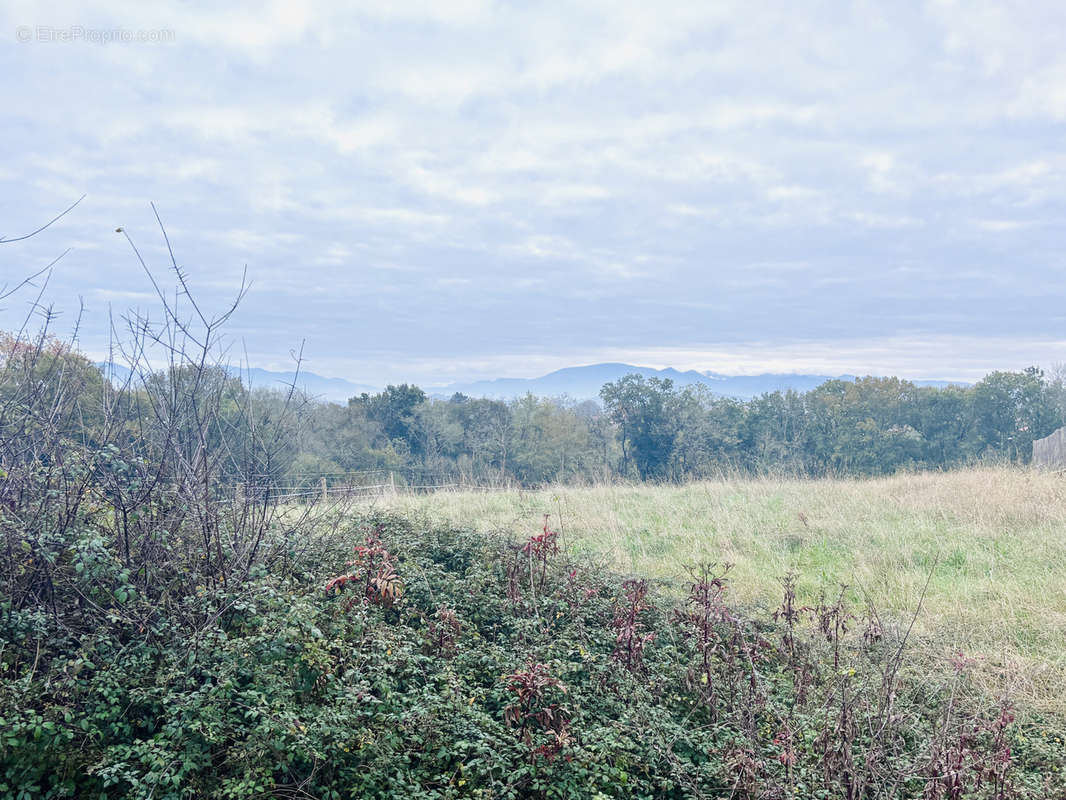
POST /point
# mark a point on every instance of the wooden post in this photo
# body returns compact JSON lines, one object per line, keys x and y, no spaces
{"x":392,"y":482}
{"x":325,"y":491}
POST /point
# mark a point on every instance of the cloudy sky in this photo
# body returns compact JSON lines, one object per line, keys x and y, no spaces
{"x":442,"y":190}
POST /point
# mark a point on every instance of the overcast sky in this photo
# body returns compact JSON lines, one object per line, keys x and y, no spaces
{"x":452,"y":190}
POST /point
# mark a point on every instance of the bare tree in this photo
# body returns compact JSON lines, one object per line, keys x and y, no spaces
{"x":166,"y":467}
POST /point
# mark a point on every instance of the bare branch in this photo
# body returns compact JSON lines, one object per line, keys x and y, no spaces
{"x":43,"y":227}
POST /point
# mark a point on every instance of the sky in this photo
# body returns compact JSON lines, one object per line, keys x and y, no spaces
{"x":437,"y":191}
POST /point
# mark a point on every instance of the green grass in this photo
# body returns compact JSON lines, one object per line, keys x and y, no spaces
{"x":991,"y":543}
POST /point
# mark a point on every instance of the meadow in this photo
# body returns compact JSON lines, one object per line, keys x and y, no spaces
{"x":982,"y":552}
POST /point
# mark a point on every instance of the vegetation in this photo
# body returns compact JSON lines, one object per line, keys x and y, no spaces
{"x":167,"y":633}
{"x":650,"y":430}
{"x":443,"y":663}
{"x":989,"y":541}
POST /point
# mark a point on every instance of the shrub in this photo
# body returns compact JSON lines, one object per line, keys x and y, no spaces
{"x":277,"y":688}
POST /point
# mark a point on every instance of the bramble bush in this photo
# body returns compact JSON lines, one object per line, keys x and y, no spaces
{"x":408,"y":660}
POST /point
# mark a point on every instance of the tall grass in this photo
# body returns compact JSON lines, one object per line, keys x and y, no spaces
{"x":991,"y":542}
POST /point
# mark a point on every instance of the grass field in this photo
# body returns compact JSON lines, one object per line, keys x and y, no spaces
{"x":990,"y":542}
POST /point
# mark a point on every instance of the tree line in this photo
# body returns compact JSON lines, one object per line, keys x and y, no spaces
{"x":650,"y":429}
{"x":640,"y":429}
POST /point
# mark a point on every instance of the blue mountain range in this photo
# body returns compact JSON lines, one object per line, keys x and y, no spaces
{"x":579,"y":383}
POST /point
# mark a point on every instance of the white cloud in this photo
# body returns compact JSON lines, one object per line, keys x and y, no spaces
{"x":882,"y":221}
{"x":627,"y":162}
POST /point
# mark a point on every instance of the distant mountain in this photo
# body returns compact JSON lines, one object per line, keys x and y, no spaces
{"x":580,"y":383}
{"x":585,"y":382}
{"x":336,"y":390}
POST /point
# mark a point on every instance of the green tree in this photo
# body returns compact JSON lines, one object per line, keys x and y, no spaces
{"x":710,"y":432}
{"x":1011,"y":409}
{"x":944,"y":417}
{"x":646,"y":413}
{"x":775,"y":431}
{"x":394,"y":410}
{"x":487,"y":437}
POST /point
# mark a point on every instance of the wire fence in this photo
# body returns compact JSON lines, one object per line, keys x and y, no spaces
{"x":325,"y":489}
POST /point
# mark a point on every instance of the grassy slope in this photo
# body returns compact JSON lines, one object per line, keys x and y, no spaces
{"x":997,"y":536}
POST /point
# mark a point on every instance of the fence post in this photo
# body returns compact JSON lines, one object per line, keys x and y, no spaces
{"x":325,"y":491}
{"x":392,"y":483}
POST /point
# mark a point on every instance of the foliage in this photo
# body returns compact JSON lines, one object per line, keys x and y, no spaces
{"x":285,"y":687}
{"x":645,"y":413}
{"x":651,"y":430}
{"x":997,"y":529}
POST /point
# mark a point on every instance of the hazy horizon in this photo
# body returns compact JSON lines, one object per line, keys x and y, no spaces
{"x":239,"y":367}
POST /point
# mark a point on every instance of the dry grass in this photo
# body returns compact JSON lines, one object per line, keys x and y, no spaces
{"x":996,"y":536}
